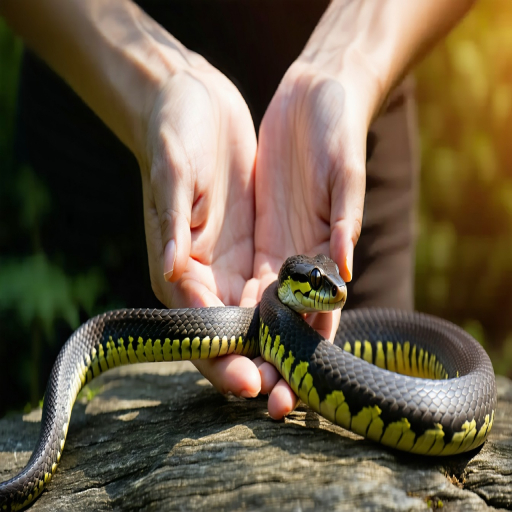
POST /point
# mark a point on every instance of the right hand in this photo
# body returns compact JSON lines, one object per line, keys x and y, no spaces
{"x":198,"y":186}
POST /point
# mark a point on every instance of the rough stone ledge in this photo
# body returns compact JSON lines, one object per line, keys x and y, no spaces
{"x":159,"y":437}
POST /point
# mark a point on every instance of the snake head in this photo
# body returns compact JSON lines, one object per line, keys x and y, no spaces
{"x":311,"y":284}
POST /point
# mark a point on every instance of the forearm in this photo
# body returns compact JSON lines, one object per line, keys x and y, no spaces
{"x":109,"y":51}
{"x":377,"y":41}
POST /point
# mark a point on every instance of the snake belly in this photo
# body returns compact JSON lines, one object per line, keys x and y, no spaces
{"x":442,"y":402}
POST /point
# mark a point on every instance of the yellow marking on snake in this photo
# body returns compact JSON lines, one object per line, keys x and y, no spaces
{"x":400,"y":368}
{"x":267,"y":340}
{"x":109,"y":358}
{"x":224,"y":347}
{"x":390,"y":357}
{"x":115,"y":353}
{"x":330,"y":404}
{"x":215,"y":346}
{"x":347,"y":347}
{"x":470,"y":436}
{"x":299,"y":372}
{"x":421,"y":371}
{"x":414,"y":363}
{"x":357,"y":349}
{"x":166,"y":350}
{"x":398,"y":433}
{"x":435,"y":368}
{"x":194,"y":348}
{"x":457,"y":439}
{"x":176,"y":354}
{"x":279,"y":356}
{"x":247,"y":347}
{"x":148,"y":351}
{"x":362,"y":421}
{"x":368,"y":355}
{"x":430,"y":442}
{"x":287,"y":366}
{"x":313,"y":398}
{"x":425,"y":364}
{"x":131,"y":353}
{"x":157,"y":351}
{"x":376,"y":426}
{"x":141,"y":356}
{"x":407,"y":358}
{"x":94,"y":363}
{"x":240,"y":346}
{"x":275,"y":348}
{"x":302,"y":287}
{"x":305,"y":387}
{"x":81,"y":369}
{"x":380,"y":360}
{"x":101,"y":358}
{"x":205,"y":347}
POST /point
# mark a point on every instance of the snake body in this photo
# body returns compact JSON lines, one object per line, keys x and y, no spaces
{"x":407,"y":380}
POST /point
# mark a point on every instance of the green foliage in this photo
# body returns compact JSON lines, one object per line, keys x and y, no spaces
{"x":36,"y":289}
{"x":34,"y":209}
{"x":464,"y":263}
{"x":35,"y":293}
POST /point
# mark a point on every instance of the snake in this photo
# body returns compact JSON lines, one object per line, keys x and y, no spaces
{"x":407,"y":380}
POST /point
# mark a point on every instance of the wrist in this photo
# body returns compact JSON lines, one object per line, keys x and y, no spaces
{"x":365,"y":91}
{"x":370,"y":46}
{"x":134,"y":61}
{"x":114,"y":56}
{"x":344,"y":46}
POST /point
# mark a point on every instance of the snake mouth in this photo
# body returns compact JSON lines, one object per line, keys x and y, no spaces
{"x":322,"y":300}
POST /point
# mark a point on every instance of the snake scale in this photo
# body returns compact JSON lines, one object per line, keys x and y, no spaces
{"x":407,"y":380}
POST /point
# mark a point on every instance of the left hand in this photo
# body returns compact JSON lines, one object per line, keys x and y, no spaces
{"x":310,"y":185}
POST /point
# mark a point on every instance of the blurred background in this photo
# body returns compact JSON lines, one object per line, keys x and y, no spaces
{"x":464,"y":250}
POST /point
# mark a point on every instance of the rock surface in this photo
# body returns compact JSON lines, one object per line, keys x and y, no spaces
{"x":159,"y":437}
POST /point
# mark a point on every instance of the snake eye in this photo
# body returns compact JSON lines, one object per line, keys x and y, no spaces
{"x":334,"y":290}
{"x":315,"y":278}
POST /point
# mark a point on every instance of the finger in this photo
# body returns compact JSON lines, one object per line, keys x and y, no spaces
{"x":171,"y":183}
{"x":250,"y":293}
{"x":282,"y":400}
{"x":176,"y":240}
{"x":347,"y":213}
{"x":233,"y":373}
{"x":194,"y":294}
{"x":269,"y":377}
{"x":326,"y":324}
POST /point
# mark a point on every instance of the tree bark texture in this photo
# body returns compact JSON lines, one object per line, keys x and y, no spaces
{"x":159,"y":437}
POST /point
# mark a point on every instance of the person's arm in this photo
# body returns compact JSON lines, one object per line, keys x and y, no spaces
{"x":192,"y":134}
{"x":370,"y":46}
{"x":109,"y":51}
{"x":311,"y":165}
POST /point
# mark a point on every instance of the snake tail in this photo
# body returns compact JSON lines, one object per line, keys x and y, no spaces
{"x":118,"y":338}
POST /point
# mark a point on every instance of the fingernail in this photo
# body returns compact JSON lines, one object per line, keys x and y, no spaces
{"x":244,"y":393}
{"x":349,"y":262}
{"x":169,"y":259}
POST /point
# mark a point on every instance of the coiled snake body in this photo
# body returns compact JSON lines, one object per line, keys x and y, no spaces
{"x":406,"y":380}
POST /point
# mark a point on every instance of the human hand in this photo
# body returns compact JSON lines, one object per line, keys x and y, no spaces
{"x":310,"y":185}
{"x":197,"y":176}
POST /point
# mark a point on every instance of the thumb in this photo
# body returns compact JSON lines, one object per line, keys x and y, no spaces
{"x":173,"y":201}
{"x":347,"y":211}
